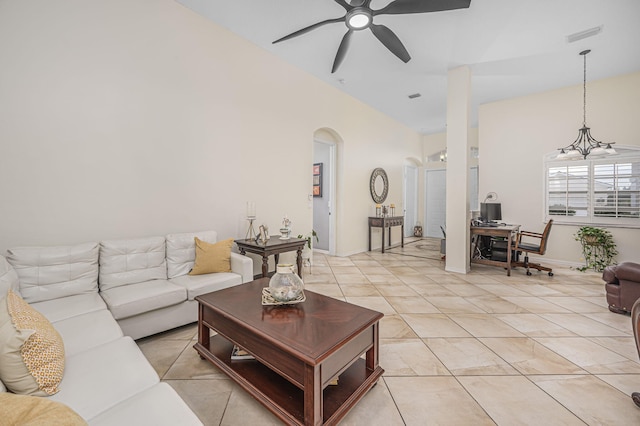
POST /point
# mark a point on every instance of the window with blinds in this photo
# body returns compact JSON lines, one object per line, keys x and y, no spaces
{"x":602,"y":191}
{"x":616,"y":190}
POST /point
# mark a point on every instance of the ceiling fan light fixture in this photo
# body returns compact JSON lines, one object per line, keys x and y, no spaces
{"x":359,"y":19}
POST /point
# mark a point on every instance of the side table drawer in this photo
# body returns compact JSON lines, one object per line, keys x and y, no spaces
{"x":377,"y":222}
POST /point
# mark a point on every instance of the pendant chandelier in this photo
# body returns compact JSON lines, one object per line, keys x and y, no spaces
{"x":585,"y":144}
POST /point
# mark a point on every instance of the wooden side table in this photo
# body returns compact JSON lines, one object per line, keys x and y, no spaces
{"x":274,"y":246}
{"x":386,"y":222}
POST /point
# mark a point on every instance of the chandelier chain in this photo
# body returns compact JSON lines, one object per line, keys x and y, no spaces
{"x":584,"y":91}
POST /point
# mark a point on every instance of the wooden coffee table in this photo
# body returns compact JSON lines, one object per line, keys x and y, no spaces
{"x":300,"y":349}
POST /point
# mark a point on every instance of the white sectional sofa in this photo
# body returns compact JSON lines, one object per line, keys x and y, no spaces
{"x":101,"y":296}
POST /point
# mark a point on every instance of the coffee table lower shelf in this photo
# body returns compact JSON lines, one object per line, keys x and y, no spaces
{"x":282,"y":397}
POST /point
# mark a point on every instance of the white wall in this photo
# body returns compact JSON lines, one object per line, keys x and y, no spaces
{"x":515,"y":134}
{"x":130,"y":118}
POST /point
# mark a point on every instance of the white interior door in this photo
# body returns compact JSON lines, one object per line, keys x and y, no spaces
{"x":435,"y":202}
{"x":324,"y":204}
{"x":410,"y":198}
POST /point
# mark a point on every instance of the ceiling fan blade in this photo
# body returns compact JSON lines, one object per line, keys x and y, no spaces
{"x":344,"y":4}
{"x":421,"y":6}
{"x":342,"y":51}
{"x":309,"y":28}
{"x":353,"y":3}
{"x":391,"y":41}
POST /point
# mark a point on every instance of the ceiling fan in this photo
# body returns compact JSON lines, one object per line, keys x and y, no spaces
{"x":359,"y":16}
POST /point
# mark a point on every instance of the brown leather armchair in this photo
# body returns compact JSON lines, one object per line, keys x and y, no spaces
{"x":635,"y":321}
{"x":622,"y":284}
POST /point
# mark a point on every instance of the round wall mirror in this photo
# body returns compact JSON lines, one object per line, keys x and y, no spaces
{"x":379,"y":185}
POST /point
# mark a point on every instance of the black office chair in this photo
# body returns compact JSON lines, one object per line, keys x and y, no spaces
{"x":537,"y":247}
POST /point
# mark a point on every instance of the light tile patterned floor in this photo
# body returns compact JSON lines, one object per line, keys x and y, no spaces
{"x":474,"y":349}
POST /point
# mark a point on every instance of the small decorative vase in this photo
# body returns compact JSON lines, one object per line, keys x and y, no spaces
{"x":285,"y":286}
{"x":284,"y":233}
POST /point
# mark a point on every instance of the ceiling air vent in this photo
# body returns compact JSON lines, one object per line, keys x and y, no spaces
{"x":584,"y":34}
{"x":415,"y":95}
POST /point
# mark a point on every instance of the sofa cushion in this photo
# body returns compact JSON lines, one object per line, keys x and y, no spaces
{"x":51,"y":272}
{"x":133,"y":299}
{"x":202,"y":284}
{"x":158,"y":405}
{"x":70,"y":306}
{"x":124,"y":262}
{"x":31,"y":410}
{"x":212,"y":258}
{"x":8,"y":277}
{"x":31,"y":350}
{"x":181,"y":251}
{"x":99,"y":378}
{"x":77,"y":337}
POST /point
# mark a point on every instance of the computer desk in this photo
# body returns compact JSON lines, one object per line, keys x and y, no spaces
{"x":503,"y":230}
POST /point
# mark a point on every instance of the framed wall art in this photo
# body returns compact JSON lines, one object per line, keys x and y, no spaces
{"x":317,"y":180}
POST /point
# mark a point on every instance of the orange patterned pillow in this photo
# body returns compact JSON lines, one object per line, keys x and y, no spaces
{"x":31,"y":350}
{"x":32,"y":410}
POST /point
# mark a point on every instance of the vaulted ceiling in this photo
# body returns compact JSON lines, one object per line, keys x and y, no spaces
{"x":513,"y":48}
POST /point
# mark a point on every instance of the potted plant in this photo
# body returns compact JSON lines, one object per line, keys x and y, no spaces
{"x":306,"y":252}
{"x":598,"y":248}
{"x":309,"y":237}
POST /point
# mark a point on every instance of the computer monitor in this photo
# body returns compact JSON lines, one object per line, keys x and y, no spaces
{"x":491,"y":212}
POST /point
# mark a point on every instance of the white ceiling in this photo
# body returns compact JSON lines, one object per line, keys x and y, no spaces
{"x":513,"y":47}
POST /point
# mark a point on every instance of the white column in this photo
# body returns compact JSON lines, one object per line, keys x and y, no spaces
{"x":458,"y":216}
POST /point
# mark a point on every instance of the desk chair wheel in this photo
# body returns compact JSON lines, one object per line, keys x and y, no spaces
{"x":636,"y":398}
{"x":528,"y":272}
{"x":550,"y":274}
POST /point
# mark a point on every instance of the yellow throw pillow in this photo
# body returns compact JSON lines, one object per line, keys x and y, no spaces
{"x":212,"y":257}
{"x":31,"y":350}
{"x":27,"y":410}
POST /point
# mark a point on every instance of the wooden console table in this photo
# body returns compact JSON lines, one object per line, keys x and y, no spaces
{"x":505,"y":231}
{"x":386,"y":222}
{"x":273,"y":246}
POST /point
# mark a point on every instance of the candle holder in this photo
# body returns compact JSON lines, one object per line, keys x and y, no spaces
{"x":378,"y":210}
{"x":251,"y":216}
{"x":251,"y":233}
{"x":393,"y":209}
